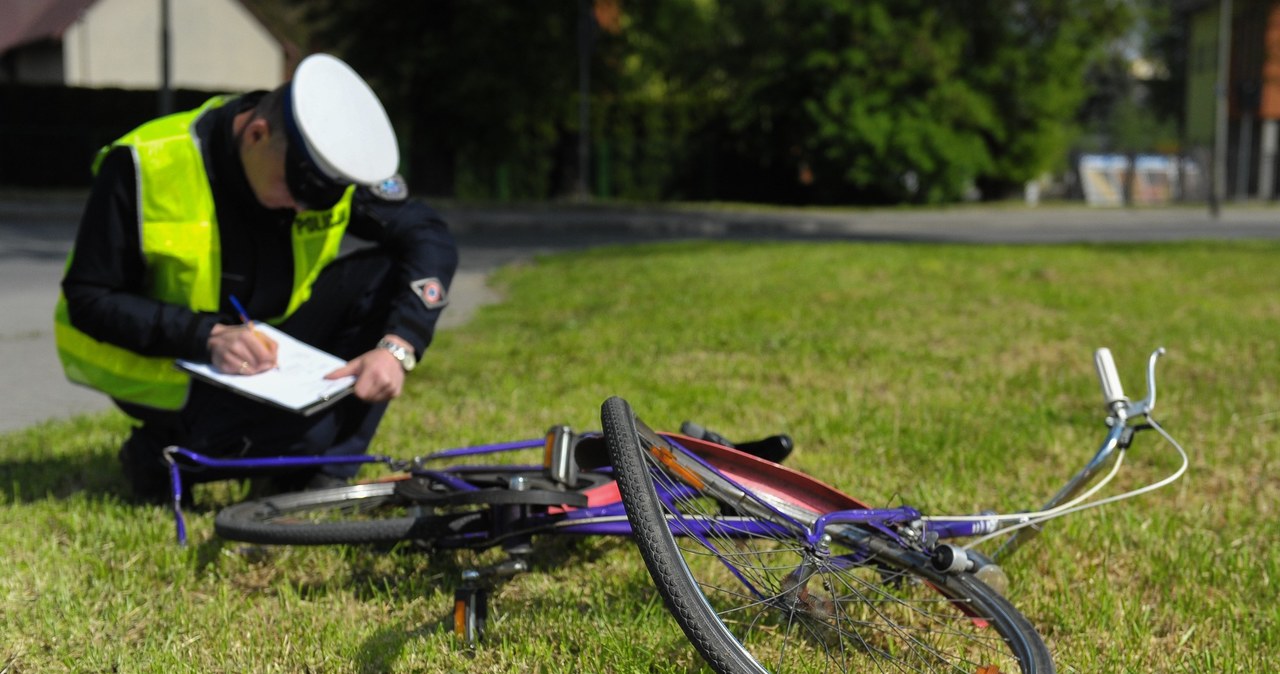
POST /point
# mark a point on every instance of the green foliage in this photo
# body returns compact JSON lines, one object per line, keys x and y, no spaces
{"x":483,"y":85}
{"x":1128,"y":113}
{"x":897,"y":100}
{"x":901,"y":122}
{"x":782,"y":100}
{"x":1031,"y":59}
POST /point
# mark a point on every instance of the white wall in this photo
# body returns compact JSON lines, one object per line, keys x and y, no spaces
{"x":216,"y":45}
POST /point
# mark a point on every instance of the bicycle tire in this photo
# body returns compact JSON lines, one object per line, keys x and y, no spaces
{"x":364,"y":514}
{"x":755,"y":603}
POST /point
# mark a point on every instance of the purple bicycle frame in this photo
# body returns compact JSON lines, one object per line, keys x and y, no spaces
{"x":603,"y":520}
{"x":249,"y":466}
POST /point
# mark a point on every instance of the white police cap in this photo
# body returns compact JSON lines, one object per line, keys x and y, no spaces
{"x":342,"y":126}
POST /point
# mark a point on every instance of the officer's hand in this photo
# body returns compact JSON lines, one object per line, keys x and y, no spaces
{"x":379,"y":376}
{"x":238,"y":349}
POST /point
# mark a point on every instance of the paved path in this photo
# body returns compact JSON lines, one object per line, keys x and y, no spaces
{"x":36,"y":233}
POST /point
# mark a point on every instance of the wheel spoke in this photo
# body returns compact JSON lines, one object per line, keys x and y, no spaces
{"x":734,"y":556}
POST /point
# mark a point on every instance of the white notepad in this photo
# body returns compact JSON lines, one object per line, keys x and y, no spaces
{"x":297,"y":383}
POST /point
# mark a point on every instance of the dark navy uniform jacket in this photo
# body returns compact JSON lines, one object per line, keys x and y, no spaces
{"x":103,"y":284}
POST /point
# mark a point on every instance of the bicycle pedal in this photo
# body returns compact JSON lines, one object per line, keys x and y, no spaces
{"x":470,"y":613}
{"x":504,"y":569}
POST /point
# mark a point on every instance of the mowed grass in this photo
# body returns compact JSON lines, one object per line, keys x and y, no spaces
{"x":953,"y":378}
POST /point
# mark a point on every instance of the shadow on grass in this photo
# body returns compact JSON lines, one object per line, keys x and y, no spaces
{"x":384,"y":647}
{"x":96,"y":473}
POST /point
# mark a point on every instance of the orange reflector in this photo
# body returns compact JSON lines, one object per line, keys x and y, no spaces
{"x":547,"y":447}
{"x":668,"y":459}
{"x":460,"y":618}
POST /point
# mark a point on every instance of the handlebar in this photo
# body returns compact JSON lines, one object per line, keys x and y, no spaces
{"x":1120,"y":410}
{"x":1113,"y":393}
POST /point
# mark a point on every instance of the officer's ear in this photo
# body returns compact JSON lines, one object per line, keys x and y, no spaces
{"x":257,"y":131}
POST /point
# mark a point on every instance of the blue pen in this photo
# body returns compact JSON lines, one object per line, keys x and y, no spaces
{"x":244,"y":315}
{"x":248,"y":322}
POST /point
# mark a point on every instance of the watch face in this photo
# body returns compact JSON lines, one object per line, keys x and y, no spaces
{"x":405,"y":356}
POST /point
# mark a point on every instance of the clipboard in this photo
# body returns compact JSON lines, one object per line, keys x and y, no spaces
{"x":297,"y":384}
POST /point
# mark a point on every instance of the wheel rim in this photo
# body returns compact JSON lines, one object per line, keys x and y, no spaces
{"x":796,"y":607}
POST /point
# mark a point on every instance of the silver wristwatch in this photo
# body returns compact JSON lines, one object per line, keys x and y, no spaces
{"x":405,"y":356}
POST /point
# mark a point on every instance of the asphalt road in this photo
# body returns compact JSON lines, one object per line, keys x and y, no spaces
{"x":36,"y":231}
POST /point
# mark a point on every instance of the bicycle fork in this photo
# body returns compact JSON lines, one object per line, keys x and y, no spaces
{"x":795,"y":596}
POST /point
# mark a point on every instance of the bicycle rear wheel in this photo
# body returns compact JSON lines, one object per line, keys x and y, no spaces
{"x":351,"y":515}
{"x":757,"y":597}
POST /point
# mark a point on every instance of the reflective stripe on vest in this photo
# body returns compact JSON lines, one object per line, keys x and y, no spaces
{"x":182,"y":249}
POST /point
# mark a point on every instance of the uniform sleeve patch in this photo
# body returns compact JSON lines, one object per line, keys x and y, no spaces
{"x":431,"y":291}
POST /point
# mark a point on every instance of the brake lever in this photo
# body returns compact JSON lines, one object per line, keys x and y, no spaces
{"x":1143,"y":407}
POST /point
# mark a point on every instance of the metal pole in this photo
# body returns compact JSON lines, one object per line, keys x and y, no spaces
{"x":1219,"y":188}
{"x":1267,"y":162}
{"x":586,"y":30}
{"x":1244,"y":152}
{"x":166,"y":88}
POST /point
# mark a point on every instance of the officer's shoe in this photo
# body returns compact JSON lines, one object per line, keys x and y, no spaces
{"x":141,"y":460}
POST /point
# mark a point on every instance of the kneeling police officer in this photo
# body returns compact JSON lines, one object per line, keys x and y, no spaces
{"x":251,"y":197}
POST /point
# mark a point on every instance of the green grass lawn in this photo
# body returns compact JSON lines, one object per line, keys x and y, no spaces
{"x":954,"y":378}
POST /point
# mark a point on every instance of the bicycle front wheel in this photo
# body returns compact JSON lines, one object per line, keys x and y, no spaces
{"x":753,"y":595}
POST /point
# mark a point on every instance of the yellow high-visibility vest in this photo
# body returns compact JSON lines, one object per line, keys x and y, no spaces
{"x":183,"y":254}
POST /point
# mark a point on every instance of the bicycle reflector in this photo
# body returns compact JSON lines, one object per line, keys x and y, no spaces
{"x":667,"y":458}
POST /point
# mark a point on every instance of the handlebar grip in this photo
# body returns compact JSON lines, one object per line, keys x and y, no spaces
{"x":774,"y":448}
{"x":1112,"y":392}
{"x":695,"y":430}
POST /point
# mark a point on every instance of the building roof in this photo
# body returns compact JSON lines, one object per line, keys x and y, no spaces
{"x":28,"y":21}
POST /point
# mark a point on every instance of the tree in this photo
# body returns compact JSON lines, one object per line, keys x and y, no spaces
{"x":1136,"y":90}
{"x":485,"y":83}
{"x":897,"y":100}
{"x":780,"y":88}
{"x":778,"y":100}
